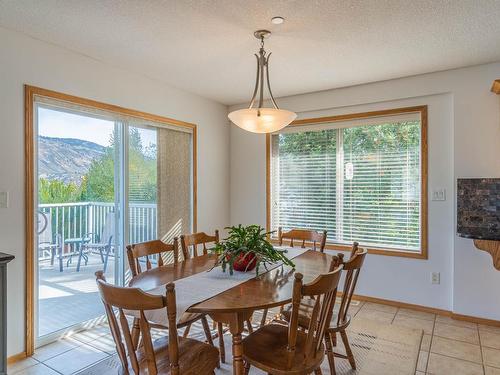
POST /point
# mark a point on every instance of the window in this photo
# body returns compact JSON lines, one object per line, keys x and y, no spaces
{"x":360,"y":177}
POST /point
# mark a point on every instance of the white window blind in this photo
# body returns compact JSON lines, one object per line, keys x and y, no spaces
{"x":359,"y":180}
{"x":304,"y":180}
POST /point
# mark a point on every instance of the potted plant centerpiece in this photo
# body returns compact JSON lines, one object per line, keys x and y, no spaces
{"x":247,"y":248}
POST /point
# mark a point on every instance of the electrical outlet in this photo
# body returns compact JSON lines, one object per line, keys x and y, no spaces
{"x":439,"y":194}
{"x":4,"y":199}
{"x":435,"y":278}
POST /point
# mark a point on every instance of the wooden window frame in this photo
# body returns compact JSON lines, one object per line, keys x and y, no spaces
{"x":30,"y":92}
{"x":422,"y":110}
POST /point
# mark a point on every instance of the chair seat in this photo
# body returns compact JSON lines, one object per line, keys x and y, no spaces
{"x":195,"y":357}
{"x":266,"y":349}
{"x":305,"y":312}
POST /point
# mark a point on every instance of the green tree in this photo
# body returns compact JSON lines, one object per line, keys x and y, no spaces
{"x":56,"y":191}
{"x":98,"y":183}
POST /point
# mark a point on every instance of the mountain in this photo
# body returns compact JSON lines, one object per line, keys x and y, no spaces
{"x":66,"y":159}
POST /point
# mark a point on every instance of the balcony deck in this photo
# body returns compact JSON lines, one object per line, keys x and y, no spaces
{"x":69,"y":297}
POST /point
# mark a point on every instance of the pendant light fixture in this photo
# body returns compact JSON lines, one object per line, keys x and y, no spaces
{"x":261,"y":119}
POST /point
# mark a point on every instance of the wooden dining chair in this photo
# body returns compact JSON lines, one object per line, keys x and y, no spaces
{"x":173,"y":355}
{"x":190,"y":244}
{"x":341,"y":320}
{"x":304,"y":236}
{"x":157,"y":250}
{"x":279,"y":349}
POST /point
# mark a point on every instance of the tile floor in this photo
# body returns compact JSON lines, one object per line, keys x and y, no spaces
{"x":449,"y":347}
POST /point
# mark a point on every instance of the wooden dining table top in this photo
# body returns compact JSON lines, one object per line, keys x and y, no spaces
{"x":269,"y":289}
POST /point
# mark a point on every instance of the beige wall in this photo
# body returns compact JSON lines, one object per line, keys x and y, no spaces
{"x":26,"y":60}
{"x":464,"y":141}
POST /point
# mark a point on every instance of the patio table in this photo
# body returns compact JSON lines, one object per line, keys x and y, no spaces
{"x":76,"y":244}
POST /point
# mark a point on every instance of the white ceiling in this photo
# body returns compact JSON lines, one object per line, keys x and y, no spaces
{"x":206,"y":47}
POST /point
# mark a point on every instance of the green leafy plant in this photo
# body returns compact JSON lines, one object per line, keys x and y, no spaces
{"x":248,"y":246}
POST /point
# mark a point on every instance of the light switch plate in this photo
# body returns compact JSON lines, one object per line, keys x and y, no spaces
{"x":4,"y":199}
{"x":439,"y":194}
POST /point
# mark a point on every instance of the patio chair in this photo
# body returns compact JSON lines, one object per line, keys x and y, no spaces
{"x":47,"y":242}
{"x":103,"y":243}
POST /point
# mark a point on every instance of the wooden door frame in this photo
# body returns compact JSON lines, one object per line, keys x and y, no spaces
{"x":29,"y":146}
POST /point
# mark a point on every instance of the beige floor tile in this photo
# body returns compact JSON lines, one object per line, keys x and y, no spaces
{"x":420,"y":373}
{"x":417,"y":314}
{"x":75,"y":359}
{"x":415,"y":323}
{"x":490,"y":339}
{"x":21,"y":365}
{"x":486,"y":328}
{"x":491,"y":357}
{"x":353,"y":309}
{"x":456,"y":349}
{"x":455,"y":322}
{"x":426,"y":343}
{"x":39,"y":369}
{"x":380,"y":307}
{"x":456,"y":333}
{"x":107,"y":344}
{"x":491,"y":370}
{"x":379,"y":316}
{"x":51,"y":350}
{"x":92,"y":334}
{"x":422,"y":361}
{"x":442,"y":365}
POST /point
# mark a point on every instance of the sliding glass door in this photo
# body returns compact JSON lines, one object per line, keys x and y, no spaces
{"x":78,"y":205}
{"x":103,"y":180}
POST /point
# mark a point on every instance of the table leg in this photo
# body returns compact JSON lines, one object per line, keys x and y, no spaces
{"x":236,"y":323}
{"x":238,"y":366}
{"x":60,"y":257}
{"x":79,"y":256}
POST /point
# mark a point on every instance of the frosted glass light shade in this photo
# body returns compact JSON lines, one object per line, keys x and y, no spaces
{"x":263,"y":120}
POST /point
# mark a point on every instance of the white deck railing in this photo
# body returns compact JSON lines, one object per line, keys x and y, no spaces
{"x":79,"y":219}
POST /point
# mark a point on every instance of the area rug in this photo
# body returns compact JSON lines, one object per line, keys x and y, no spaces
{"x":379,"y":349}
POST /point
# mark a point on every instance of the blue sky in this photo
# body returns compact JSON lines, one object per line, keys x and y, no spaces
{"x":58,"y":124}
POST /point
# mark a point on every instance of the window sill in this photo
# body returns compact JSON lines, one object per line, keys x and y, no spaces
{"x":376,"y":251}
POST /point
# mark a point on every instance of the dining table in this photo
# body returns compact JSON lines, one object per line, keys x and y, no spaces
{"x":236,"y":304}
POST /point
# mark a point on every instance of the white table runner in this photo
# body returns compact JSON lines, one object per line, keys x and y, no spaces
{"x":204,"y":285}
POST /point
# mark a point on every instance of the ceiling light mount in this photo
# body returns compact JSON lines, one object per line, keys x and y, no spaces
{"x":262,"y":119}
{"x":262,"y":34}
{"x":278,"y":20}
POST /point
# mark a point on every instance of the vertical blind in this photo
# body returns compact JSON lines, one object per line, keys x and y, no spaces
{"x":359,"y":180}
